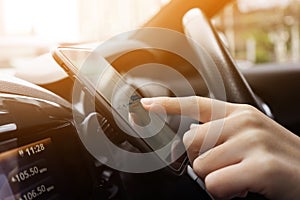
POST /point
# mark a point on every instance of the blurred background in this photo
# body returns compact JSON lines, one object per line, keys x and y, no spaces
{"x":262,"y":31}
{"x":256,"y":31}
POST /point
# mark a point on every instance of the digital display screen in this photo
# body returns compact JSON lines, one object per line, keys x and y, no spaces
{"x":24,"y":172}
{"x":125,"y":100}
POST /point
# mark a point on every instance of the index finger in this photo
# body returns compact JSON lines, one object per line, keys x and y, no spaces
{"x":199,"y":108}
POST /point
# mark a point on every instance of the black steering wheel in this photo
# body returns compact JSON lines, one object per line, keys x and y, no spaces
{"x":236,"y":88}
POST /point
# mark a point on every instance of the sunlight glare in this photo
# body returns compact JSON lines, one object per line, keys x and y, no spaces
{"x":53,"y":20}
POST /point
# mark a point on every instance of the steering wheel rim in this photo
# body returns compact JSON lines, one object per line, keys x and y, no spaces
{"x":236,"y":87}
{"x":201,"y":31}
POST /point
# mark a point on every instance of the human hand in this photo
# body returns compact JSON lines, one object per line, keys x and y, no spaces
{"x":252,"y":153}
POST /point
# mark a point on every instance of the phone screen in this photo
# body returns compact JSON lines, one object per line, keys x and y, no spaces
{"x":125,"y":100}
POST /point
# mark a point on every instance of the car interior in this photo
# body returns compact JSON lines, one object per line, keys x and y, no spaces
{"x":42,"y":155}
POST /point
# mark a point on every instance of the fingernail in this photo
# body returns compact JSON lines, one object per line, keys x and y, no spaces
{"x":146,"y":101}
{"x":189,"y":137}
{"x":193,"y":126}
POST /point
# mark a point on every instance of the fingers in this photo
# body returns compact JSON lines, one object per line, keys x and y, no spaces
{"x":200,"y":108}
{"x":232,"y":181}
{"x":201,"y":138}
{"x":237,"y":149}
{"x":226,"y":154}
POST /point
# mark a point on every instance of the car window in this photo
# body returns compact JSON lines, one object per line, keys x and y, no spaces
{"x":261,"y":31}
{"x":30,"y":28}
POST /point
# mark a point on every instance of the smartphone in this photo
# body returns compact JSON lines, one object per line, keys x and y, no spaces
{"x":119,"y":104}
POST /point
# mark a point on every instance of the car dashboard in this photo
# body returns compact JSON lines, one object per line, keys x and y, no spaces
{"x":41,"y":156}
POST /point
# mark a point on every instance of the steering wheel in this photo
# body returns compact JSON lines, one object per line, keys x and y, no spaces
{"x":237,"y":90}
